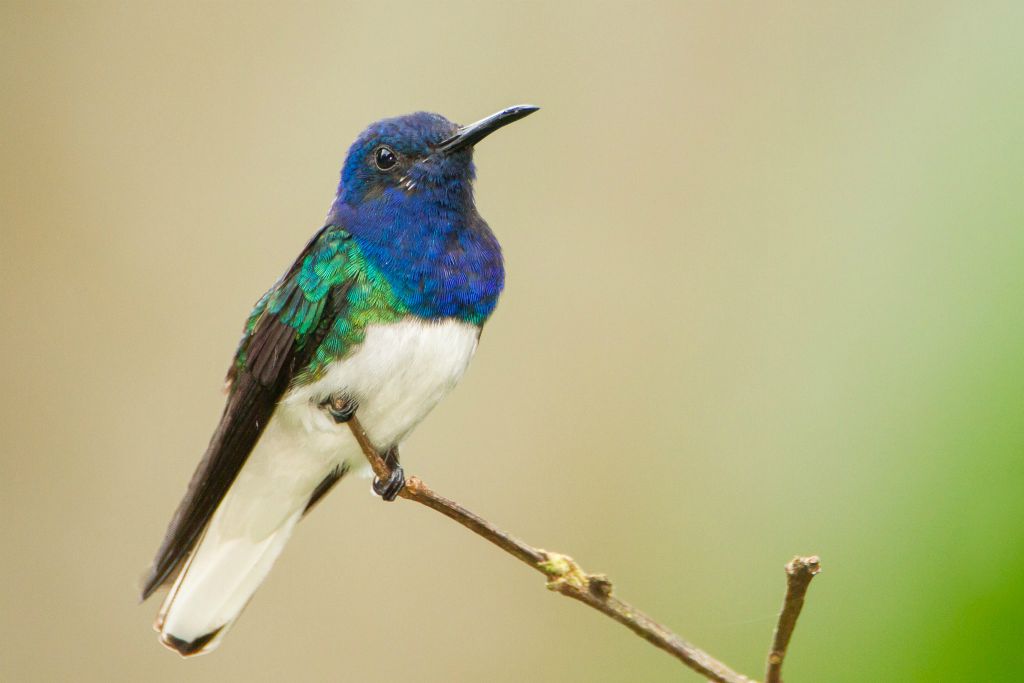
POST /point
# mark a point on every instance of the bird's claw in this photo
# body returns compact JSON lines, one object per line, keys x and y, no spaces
{"x":340,"y":407}
{"x":389,"y":489}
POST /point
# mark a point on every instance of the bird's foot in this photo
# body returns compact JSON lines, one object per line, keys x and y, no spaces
{"x":340,"y":407}
{"x":389,"y":489}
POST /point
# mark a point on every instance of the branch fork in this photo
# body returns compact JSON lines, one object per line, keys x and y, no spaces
{"x":566,"y":577}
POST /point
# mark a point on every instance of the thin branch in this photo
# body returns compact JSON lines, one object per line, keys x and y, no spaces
{"x":799,"y":573}
{"x":563,"y":574}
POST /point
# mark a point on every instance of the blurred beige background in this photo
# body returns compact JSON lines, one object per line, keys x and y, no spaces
{"x":764,"y":298}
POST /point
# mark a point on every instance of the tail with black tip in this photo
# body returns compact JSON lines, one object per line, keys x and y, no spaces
{"x":216,"y":584}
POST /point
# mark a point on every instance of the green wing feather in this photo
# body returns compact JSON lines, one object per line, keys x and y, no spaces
{"x":298,"y":300}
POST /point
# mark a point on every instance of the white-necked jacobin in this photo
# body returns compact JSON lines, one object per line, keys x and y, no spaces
{"x":378,"y":317}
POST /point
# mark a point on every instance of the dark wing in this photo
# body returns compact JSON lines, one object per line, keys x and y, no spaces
{"x":283,"y":332}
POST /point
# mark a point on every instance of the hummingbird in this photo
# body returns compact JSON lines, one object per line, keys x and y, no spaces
{"x":378,"y":317}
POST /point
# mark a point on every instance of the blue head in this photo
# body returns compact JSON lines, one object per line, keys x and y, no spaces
{"x":406,"y":196}
{"x":397,"y":154}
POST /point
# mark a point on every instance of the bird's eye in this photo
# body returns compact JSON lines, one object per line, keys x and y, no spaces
{"x":385,"y":158}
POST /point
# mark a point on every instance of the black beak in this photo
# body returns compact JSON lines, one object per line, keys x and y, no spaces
{"x":468,"y":136}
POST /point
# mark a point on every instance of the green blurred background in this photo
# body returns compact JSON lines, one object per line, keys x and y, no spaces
{"x":765,"y":297}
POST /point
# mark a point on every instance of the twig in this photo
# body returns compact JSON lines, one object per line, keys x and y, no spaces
{"x":799,"y":573}
{"x":563,"y":574}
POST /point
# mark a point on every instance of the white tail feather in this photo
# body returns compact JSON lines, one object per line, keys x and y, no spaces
{"x":216,"y":584}
{"x":244,"y":537}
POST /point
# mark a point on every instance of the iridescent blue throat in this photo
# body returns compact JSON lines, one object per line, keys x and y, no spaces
{"x":440,"y":257}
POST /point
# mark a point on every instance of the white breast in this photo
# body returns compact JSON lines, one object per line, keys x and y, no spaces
{"x":397,"y":375}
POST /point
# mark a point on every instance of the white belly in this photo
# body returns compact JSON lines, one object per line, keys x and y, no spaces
{"x":397,"y":376}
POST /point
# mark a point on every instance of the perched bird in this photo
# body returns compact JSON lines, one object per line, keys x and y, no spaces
{"x":378,"y":316}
